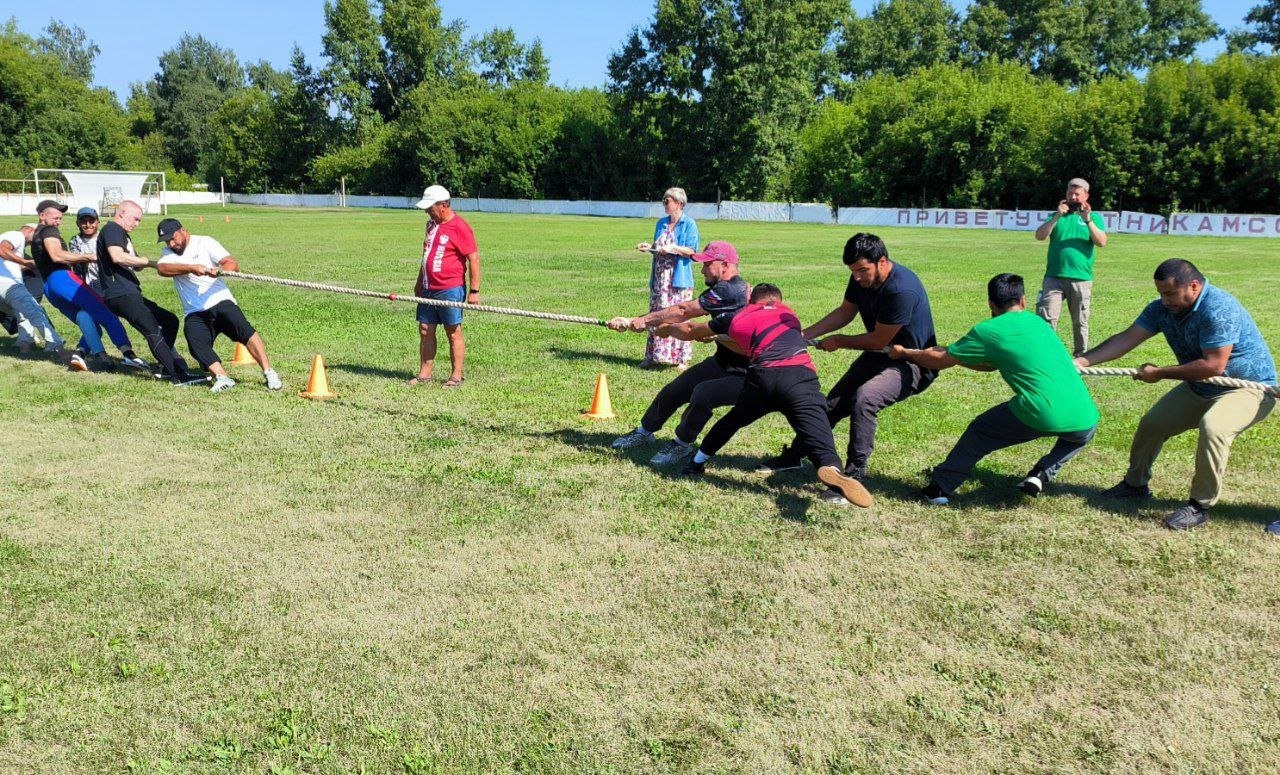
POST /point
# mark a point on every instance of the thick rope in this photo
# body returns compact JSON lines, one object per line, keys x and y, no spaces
{"x":1231,"y":382}
{"x":415,"y":299}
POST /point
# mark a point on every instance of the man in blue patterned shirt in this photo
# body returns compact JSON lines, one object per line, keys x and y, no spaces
{"x":1211,"y":335}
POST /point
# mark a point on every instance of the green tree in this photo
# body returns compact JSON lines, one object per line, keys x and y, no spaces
{"x":898,"y":36}
{"x":71,"y":45}
{"x":194,"y":79}
{"x":1074,"y":41}
{"x":716,"y":90}
{"x":1263,"y":28}
{"x":502,"y":60}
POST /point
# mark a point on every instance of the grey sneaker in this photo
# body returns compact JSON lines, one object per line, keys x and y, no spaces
{"x":637,"y":438}
{"x":221,"y":384}
{"x":273,"y":379}
{"x":1187,"y":517}
{"x":135,"y":362}
{"x":1126,"y":490}
{"x":674,"y":451}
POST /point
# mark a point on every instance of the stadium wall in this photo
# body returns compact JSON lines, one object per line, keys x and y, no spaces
{"x":1124,"y":222}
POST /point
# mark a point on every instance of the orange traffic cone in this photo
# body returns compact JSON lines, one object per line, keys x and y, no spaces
{"x":601,"y":405}
{"x":241,"y":357}
{"x":228,"y":218}
{"x":318,"y":384}
{"x":201,"y":217}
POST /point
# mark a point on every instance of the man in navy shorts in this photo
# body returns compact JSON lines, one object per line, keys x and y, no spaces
{"x":449,"y":256}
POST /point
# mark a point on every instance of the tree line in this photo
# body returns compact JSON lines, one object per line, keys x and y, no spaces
{"x":913,"y":104}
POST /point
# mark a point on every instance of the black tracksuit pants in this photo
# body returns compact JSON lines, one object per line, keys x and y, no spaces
{"x":792,"y":390}
{"x":703,"y":387}
{"x":157,"y":324}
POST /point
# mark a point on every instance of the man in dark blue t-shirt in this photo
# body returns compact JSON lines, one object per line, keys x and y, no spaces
{"x":714,"y":382}
{"x":894,"y":308}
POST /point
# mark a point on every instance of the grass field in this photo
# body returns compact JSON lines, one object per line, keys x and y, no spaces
{"x":425,"y":580}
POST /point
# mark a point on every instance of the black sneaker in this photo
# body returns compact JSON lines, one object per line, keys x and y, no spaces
{"x":934,"y":495}
{"x":1033,"y":485}
{"x":1126,"y":490}
{"x":834,"y":498}
{"x":692,"y":469}
{"x":787,"y":460}
{"x":1187,"y":517}
{"x":101,"y":362}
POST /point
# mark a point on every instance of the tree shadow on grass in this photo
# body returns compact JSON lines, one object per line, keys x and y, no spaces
{"x":791,"y":506}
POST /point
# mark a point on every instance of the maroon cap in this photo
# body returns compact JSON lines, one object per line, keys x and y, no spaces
{"x":717,"y":251}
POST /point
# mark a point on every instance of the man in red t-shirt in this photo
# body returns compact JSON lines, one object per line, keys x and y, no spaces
{"x":449,"y":256}
{"x":780,"y":378}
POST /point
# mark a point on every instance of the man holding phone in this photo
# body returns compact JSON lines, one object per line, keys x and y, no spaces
{"x":1074,"y":231}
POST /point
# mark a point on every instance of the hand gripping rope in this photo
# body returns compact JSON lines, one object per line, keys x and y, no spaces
{"x":1231,"y":382}
{"x":415,"y":299}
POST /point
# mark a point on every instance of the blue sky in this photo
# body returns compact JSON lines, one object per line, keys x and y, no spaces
{"x":578,"y":35}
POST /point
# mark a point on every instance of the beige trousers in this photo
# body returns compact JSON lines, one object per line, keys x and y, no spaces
{"x":1077,"y":294}
{"x":1219,"y":419}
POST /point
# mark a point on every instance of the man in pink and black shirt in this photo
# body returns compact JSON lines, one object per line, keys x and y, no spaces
{"x":780,"y":378}
{"x":449,"y":255}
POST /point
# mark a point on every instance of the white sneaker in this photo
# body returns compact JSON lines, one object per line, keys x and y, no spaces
{"x":77,"y":363}
{"x":135,"y":363}
{"x":221,"y":384}
{"x":273,"y":379}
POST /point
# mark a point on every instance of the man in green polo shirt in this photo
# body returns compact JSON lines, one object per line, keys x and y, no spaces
{"x":1074,"y":232}
{"x":1050,"y":398}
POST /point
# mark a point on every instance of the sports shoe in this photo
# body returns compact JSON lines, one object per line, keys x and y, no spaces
{"x":1273,"y":529}
{"x":787,"y":460}
{"x":101,"y":362}
{"x":934,"y":495}
{"x":222,"y":383}
{"x":850,"y":488}
{"x":1033,"y":485}
{"x":1186,"y":517}
{"x":637,"y":438}
{"x":674,"y":451}
{"x":692,"y":469}
{"x":833,"y":498}
{"x":77,"y":363}
{"x":134,"y":362}
{"x":273,"y":379}
{"x":1126,"y":490}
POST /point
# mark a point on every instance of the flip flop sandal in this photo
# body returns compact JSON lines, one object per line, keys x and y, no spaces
{"x":452,"y":383}
{"x":415,"y":381}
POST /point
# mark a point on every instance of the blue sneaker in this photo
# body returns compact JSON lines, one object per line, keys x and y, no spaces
{"x":1274,"y":529}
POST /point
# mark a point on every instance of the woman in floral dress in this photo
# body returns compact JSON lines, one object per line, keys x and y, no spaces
{"x":675,"y":239}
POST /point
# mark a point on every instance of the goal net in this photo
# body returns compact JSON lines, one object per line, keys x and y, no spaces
{"x":103,"y":190}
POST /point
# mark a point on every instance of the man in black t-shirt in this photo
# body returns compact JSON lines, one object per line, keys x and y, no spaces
{"x":714,"y":382}
{"x":894,"y":308}
{"x":122,"y":292}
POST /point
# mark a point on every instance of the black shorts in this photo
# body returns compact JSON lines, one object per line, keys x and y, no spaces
{"x":201,"y":328}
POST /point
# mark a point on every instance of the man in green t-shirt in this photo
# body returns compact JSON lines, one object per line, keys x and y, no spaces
{"x":1074,"y":231}
{"x":1050,"y":398}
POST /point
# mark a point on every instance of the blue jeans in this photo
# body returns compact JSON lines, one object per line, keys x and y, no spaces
{"x":996,"y":429}
{"x":449,"y":316}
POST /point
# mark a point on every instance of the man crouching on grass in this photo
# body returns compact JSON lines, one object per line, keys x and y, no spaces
{"x":194,"y":263}
{"x":781,"y":377}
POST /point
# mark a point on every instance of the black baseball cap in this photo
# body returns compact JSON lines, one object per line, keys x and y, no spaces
{"x":167,"y":228}
{"x":45,"y":204}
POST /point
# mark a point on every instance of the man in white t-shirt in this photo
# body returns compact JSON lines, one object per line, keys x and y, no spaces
{"x":16,"y":300}
{"x":194,"y":262}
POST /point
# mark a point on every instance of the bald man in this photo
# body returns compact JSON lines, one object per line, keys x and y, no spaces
{"x":117,"y":281}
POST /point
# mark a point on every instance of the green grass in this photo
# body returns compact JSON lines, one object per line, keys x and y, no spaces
{"x":424,"y":580}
